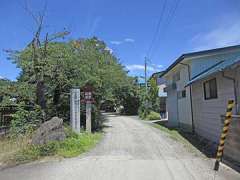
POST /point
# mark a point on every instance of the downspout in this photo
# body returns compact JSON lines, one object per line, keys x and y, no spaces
{"x":235,"y":89}
{"x":191,"y":102}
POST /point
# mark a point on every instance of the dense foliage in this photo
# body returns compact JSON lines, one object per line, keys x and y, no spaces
{"x":64,"y":65}
{"x":150,"y":102}
{"x":25,"y":120}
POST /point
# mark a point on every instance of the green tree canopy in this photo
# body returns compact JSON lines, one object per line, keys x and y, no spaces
{"x":74,"y":63}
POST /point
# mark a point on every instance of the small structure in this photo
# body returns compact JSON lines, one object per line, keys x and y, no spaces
{"x":75,"y":109}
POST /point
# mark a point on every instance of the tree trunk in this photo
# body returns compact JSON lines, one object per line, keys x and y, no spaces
{"x":40,"y":93}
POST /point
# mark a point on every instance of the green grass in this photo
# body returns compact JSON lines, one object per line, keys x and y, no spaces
{"x":73,"y":145}
{"x":172,"y":133}
{"x":151,"y":116}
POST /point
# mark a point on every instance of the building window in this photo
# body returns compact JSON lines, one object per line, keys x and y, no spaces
{"x":181,"y":94}
{"x":176,"y":77}
{"x":184,"y":93}
{"x":210,"y":89}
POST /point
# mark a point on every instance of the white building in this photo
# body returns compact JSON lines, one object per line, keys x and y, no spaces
{"x":193,"y":102}
{"x":161,"y":83}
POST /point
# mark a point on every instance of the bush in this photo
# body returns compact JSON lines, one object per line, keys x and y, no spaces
{"x":144,"y":109}
{"x":24,"y":121}
{"x":153,"y":116}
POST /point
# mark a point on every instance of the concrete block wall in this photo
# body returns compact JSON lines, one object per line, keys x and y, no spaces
{"x":232,"y":144}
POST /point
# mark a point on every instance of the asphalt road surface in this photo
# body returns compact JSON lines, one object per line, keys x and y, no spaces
{"x":130,"y":150}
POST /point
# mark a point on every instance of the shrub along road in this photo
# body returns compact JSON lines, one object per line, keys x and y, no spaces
{"x":130,"y":150}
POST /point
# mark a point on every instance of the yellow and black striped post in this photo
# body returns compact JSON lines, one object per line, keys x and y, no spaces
{"x":227,"y":121}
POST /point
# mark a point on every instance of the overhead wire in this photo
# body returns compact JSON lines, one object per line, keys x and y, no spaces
{"x":169,"y":19}
{"x":158,"y":27}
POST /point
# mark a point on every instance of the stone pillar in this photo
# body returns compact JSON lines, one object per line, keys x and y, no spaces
{"x":75,"y":109}
{"x":88,"y":117}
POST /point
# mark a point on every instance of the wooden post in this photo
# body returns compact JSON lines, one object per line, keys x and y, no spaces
{"x":88,"y":117}
{"x":88,"y":99}
{"x":75,"y":109}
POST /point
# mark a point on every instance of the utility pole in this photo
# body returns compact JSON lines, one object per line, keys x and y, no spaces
{"x":145,"y":74}
{"x":146,"y":87}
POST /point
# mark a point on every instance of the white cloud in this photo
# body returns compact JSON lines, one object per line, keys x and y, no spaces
{"x":139,"y":67}
{"x":224,"y":35}
{"x":126,"y":40}
{"x":116,"y":42}
{"x":157,"y":66}
{"x":134,"y":67}
{"x":130,"y":40}
{"x":1,"y":77}
{"x":109,"y":49}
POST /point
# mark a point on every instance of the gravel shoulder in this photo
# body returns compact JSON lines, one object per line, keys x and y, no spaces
{"x":130,"y":149}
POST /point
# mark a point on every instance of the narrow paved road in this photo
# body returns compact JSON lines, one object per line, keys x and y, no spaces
{"x":130,"y":150}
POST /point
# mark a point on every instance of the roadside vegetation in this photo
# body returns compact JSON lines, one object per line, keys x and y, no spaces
{"x":153,"y":116}
{"x":52,"y":64}
{"x":19,"y":150}
{"x":149,"y":102}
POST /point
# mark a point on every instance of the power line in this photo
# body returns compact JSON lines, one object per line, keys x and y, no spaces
{"x":153,"y":40}
{"x":158,"y":28}
{"x":170,"y":17}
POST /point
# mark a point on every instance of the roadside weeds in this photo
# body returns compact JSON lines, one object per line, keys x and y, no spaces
{"x":19,"y":150}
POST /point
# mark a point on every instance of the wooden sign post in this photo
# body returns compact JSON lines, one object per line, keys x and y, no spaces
{"x":88,"y":100}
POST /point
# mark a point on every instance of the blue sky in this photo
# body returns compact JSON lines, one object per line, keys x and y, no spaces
{"x":127,"y":26}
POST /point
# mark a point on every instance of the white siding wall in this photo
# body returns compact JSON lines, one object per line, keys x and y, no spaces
{"x":172,"y":108}
{"x":207,"y":112}
{"x":184,"y":104}
{"x":161,"y":92}
{"x":179,"y":110}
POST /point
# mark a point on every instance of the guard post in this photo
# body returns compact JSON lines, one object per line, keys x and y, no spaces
{"x":227,"y":121}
